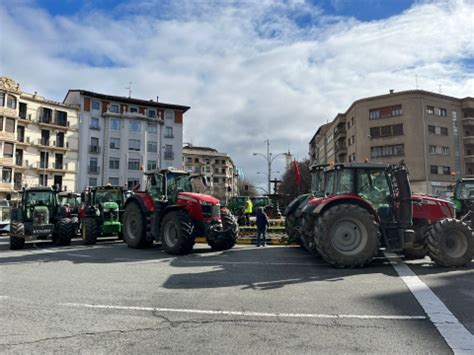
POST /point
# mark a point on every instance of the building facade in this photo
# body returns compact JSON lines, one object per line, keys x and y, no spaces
{"x":217,"y":168}
{"x":38,"y":141}
{"x":122,"y":137}
{"x":432,"y":133}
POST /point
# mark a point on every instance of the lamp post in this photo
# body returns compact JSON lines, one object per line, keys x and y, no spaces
{"x":269,"y":157}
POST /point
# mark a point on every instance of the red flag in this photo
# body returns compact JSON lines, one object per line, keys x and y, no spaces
{"x":297,"y":173}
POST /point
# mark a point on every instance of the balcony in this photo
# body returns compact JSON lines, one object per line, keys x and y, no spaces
{"x":24,"y":118}
{"x":5,"y":186}
{"x":95,"y":149}
{"x":53,"y":167}
{"x":339,"y":134}
{"x":49,"y":122}
{"x":42,"y":143}
{"x":93,"y":169}
{"x":21,"y":164}
{"x":468,"y":121}
{"x":469,"y":159}
{"x":6,"y":161}
{"x":468,"y":140}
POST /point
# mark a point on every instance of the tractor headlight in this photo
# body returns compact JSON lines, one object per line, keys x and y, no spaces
{"x":106,"y":210}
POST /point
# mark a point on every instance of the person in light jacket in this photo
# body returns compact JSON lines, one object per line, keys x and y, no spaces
{"x":262,"y":225}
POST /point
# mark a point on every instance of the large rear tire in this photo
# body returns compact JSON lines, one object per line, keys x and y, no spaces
{"x":347,"y":236}
{"x":134,"y":227}
{"x":228,"y":223}
{"x":17,"y":236}
{"x":176,"y":233}
{"x":90,"y":230}
{"x":450,"y":243}
{"x":65,"y":232}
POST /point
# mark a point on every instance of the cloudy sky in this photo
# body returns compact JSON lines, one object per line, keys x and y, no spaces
{"x":250,"y":70}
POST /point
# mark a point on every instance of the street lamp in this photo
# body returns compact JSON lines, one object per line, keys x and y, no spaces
{"x":269,"y":157}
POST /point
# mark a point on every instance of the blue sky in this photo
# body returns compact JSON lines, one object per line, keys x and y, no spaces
{"x":250,"y":70}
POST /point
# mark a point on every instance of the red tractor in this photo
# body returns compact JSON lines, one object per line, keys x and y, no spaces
{"x":364,"y":207}
{"x":168,"y":211}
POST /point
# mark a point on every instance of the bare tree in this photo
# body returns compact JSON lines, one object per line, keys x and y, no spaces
{"x":246,"y":188}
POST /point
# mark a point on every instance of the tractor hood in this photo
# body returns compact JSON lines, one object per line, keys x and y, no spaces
{"x":431,"y":208}
{"x":198,"y":197}
{"x":110,"y":205}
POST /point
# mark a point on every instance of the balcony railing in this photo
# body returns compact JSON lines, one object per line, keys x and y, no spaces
{"x":94,"y":149}
{"x":93,"y":169}
{"x":51,"y":121}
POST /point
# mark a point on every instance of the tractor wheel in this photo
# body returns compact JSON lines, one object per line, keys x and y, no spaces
{"x":417,"y":252}
{"x":450,"y":243}
{"x":134,"y":227}
{"x":17,"y":236}
{"x":347,"y":236}
{"x":291,"y":231}
{"x":90,"y":230}
{"x":65,"y":230}
{"x":228,"y":222}
{"x":176,"y":233}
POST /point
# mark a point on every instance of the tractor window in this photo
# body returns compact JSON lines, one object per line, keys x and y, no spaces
{"x":71,"y":201}
{"x":373,"y":186}
{"x":102,"y":196}
{"x":183,"y":184}
{"x":345,"y":182}
{"x":465,"y":190}
{"x":40,"y":198}
{"x":317,"y":185}
{"x":155,"y":186}
{"x":329,"y":186}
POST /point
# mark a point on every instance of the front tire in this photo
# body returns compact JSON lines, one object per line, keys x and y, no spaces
{"x":17,"y":236}
{"x":228,"y":223}
{"x":450,"y":243}
{"x":65,"y":232}
{"x":90,"y":230}
{"x":347,"y":236}
{"x":176,"y":233}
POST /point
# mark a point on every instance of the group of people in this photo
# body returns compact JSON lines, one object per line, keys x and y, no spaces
{"x":261,"y":221}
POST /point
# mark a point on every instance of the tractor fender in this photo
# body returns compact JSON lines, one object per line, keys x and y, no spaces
{"x":338,"y":200}
{"x":145,"y":206}
{"x":291,"y":208}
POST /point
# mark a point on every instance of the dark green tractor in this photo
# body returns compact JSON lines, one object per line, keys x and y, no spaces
{"x":294,"y":219}
{"x":102,"y":213}
{"x":39,"y":217}
{"x":463,"y":198}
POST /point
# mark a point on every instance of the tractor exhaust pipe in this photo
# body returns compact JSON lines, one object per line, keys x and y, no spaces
{"x":405,"y":215}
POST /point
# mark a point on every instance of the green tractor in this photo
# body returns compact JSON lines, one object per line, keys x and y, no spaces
{"x":102,"y":213}
{"x":463,"y":198}
{"x":39,"y":216}
{"x":294,"y":211}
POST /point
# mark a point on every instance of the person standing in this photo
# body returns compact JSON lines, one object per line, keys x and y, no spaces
{"x":248,"y":210}
{"x":262,"y":225}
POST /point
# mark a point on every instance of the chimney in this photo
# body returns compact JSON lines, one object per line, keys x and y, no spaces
{"x":157,"y":98}
{"x":391,"y":91}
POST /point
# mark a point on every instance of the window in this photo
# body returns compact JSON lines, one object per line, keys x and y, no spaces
{"x":133,"y":109}
{"x":2,"y":99}
{"x":114,"y":163}
{"x":216,"y":180}
{"x":151,"y":113}
{"x":430,"y":110}
{"x":443,"y":131}
{"x":152,"y":147}
{"x":345,"y":182}
{"x":169,"y":155}
{"x":386,"y":151}
{"x":385,"y":112}
{"x":223,"y":170}
{"x":152,"y":128}
{"x":432,"y":149}
{"x":11,"y":101}
{"x":386,"y":131}
{"x":94,"y":123}
{"x":8,"y":150}
{"x":115,"y":124}
{"x":114,"y":108}
{"x":10,"y":125}
{"x":446,"y":170}
{"x":95,"y":105}
{"x":114,"y":181}
{"x":92,"y":181}
{"x":133,"y":183}
{"x":114,"y":143}
{"x":397,"y":130}
{"x":135,"y":126}
{"x":169,"y":115}
{"x":374,"y":132}
{"x":443,"y":112}
{"x":23,"y":110}
{"x":133,"y":164}
{"x":434,"y":169}
{"x":445,"y":150}
{"x":134,"y":144}
{"x":350,"y":141}
{"x":169,"y":132}
{"x":431,"y":129}
{"x":151,"y":165}
{"x":374,"y":114}
{"x":6,"y":176}
{"x":196,"y":160}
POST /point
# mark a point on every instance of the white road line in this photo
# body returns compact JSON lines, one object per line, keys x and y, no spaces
{"x":247,"y":313}
{"x":458,"y":338}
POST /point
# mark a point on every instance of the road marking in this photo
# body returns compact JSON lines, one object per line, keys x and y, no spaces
{"x":247,"y":313}
{"x":248,"y":263}
{"x":458,"y":338}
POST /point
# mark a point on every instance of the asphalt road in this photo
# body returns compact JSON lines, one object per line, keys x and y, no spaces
{"x":109,"y":298}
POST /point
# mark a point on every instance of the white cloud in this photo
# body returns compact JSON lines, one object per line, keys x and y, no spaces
{"x":248,"y":70}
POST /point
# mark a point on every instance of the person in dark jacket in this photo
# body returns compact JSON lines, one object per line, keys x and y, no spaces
{"x":262,"y":225}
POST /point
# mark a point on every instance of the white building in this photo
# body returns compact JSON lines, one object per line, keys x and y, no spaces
{"x":38,"y":140}
{"x":122,"y":137}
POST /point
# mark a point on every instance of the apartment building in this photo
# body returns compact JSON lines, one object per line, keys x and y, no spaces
{"x":218,"y":169}
{"x":432,"y":133}
{"x":38,"y":140}
{"x":122,"y":137}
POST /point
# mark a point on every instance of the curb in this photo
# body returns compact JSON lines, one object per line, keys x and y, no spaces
{"x":253,"y":241}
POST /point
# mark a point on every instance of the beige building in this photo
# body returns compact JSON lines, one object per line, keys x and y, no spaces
{"x":38,"y":140}
{"x":432,"y":133}
{"x":218,"y":169}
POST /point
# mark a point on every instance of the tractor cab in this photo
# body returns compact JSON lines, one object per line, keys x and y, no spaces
{"x":317,"y":179}
{"x":463,"y":197}
{"x":39,"y":205}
